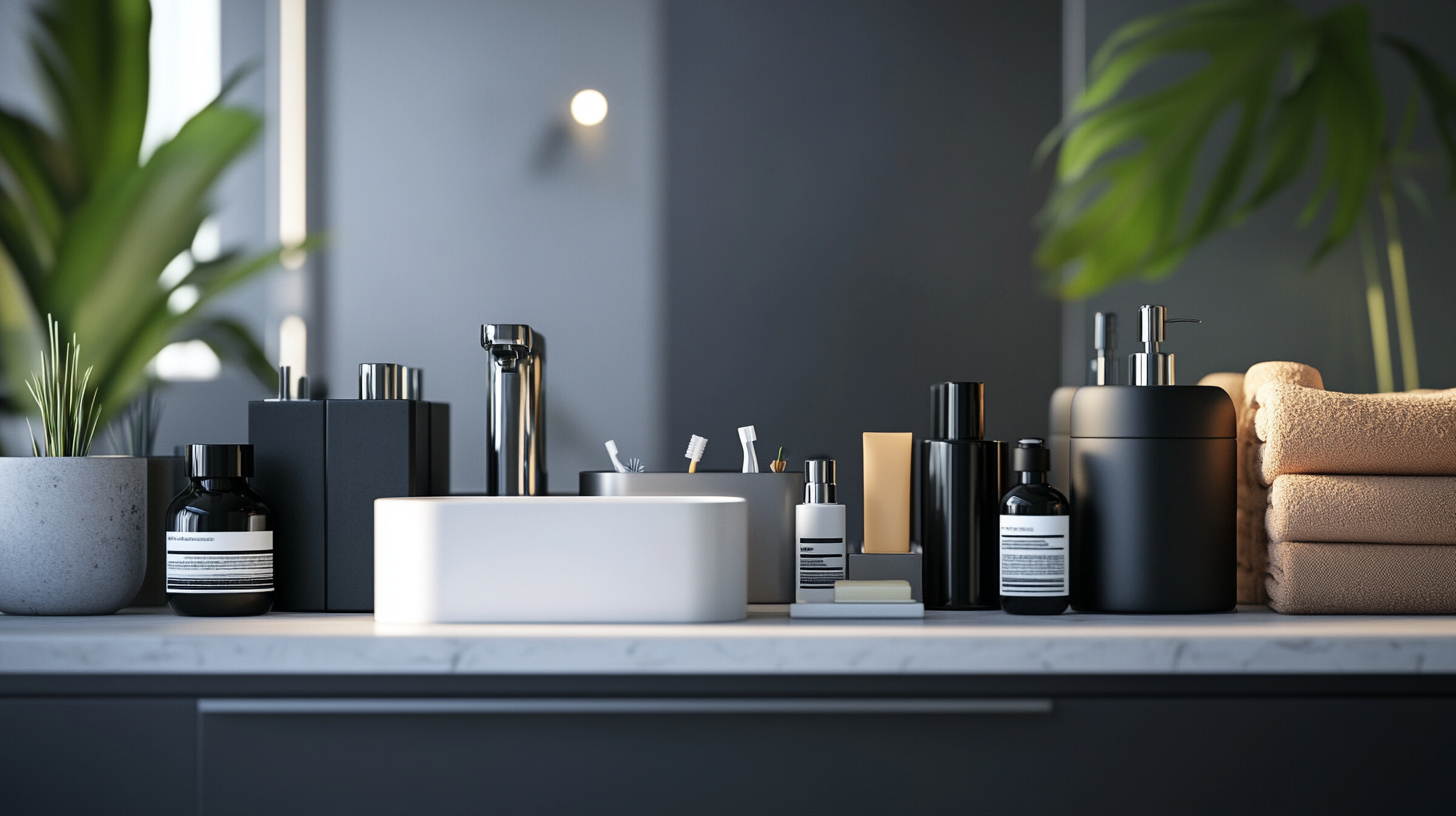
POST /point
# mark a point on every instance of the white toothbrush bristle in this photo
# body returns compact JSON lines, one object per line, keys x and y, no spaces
{"x":612,"y":446}
{"x":696,"y":446}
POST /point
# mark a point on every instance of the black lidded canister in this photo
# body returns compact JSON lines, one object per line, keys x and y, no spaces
{"x":960,"y":496}
{"x":1153,"y":491}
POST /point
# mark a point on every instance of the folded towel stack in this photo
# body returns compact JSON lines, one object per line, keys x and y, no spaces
{"x":1253,"y":498}
{"x":1361,"y":502}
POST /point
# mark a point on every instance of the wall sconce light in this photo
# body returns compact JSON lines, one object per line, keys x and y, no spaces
{"x":589,"y":107}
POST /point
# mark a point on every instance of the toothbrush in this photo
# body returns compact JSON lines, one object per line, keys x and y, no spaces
{"x":747,"y":436}
{"x":612,"y":452}
{"x":696,"y":446}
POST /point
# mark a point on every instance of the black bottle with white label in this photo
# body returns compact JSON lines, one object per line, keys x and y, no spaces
{"x":219,"y":537}
{"x":1035,"y":537}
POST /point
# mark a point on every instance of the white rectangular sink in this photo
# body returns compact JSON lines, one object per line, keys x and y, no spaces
{"x":489,"y":559}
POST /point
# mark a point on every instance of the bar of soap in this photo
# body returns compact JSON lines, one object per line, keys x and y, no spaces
{"x":872,"y":592}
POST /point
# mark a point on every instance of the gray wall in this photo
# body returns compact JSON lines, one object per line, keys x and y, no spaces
{"x":1250,"y":284}
{"x":459,"y":192}
{"x":849,"y":221}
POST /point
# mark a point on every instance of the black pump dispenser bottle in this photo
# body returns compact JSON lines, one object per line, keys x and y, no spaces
{"x":960,"y":490}
{"x":1153,"y":488}
{"x":1035,"y":536}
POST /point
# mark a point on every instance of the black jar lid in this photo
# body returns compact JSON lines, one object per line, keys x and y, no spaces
{"x":219,"y":461}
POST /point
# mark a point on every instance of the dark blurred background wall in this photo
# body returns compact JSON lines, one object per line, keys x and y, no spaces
{"x":849,"y":220}
{"x":798,"y":214}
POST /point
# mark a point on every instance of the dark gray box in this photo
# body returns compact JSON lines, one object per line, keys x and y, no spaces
{"x":320,"y":465}
{"x":376,"y":449}
{"x":288,"y":472}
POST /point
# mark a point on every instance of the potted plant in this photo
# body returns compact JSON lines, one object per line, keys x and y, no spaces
{"x":1132,"y":199}
{"x":73,"y":531}
{"x":88,"y":225}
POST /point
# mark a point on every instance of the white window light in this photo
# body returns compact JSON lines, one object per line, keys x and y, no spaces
{"x":182,"y":299}
{"x":189,"y":361}
{"x":292,"y":129}
{"x":186,"y":74}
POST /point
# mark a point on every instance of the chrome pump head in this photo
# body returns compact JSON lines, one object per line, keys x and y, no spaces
{"x":819,"y":481}
{"x":389,"y":381}
{"x":1150,"y":366}
{"x":515,"y":433}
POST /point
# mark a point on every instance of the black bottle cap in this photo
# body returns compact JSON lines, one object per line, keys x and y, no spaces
{"x":960,"y":411}
{"x":219,"y":461}
{"x":1031,"y":456}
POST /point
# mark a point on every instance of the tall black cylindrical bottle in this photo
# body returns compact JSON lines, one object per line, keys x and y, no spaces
{"x":219,"y":537}
{"x":1035,"y":537}
{"x":960,"y":488}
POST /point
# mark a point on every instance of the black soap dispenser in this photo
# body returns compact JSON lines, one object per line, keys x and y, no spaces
{"x":1153,"y":489}
{"x":960,"y":497}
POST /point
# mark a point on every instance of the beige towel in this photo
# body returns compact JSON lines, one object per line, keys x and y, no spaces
{"x":1361,"y":579}
{"x":1252,"y":498}
{"x":1366,"y":509}
{"x":1306,"y":430}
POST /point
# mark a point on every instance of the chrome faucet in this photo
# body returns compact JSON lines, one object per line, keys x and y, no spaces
{"x":515,"y":431}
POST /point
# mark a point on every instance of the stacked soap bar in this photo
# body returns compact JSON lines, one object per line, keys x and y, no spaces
{"x":320,"y":464}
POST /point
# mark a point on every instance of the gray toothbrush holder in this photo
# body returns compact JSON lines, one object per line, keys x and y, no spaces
{"x":771,"y":498}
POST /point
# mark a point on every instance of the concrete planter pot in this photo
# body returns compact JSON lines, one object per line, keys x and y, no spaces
{"x":73,"y":534}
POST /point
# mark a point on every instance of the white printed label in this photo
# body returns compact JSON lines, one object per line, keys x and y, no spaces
{"x":821,"y":562}
{"x":220,"y":562}
{"x":1034,"y":555}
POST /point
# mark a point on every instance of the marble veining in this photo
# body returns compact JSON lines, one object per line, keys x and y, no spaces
{"x":1251,"y":640}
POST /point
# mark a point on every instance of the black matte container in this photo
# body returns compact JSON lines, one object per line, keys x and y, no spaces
{"x":322,"y":463}
{"x":960,"y":497}
{"x":1153,"y":498}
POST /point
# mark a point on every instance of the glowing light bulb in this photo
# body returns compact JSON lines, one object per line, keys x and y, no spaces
{"x":589,"y":107}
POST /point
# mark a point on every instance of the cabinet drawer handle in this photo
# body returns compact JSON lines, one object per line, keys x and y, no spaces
{"x":773,"y":705}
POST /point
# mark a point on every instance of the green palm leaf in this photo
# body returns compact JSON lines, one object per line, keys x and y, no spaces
{"x":86,"y":229}
{"x":1130,"y":201}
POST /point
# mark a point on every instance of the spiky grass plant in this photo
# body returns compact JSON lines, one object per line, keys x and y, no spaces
{"x":67,"y":417}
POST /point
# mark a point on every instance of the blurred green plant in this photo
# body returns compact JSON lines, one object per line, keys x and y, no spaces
{"x":1128,"y":202}
{"x":86,"y":227}
{"x":67,"y":417}
{"x":133,"y":431}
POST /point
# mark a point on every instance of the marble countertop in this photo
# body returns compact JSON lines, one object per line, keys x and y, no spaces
{"x":1249,"y":641}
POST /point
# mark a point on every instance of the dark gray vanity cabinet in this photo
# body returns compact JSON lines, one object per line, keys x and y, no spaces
{"x":97,"y":756}
{"x":607,"y":745}
{"x":1068,"y":755}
